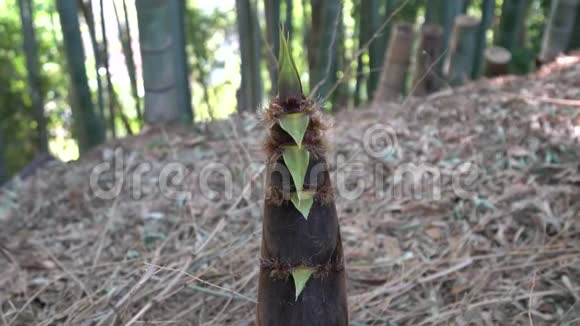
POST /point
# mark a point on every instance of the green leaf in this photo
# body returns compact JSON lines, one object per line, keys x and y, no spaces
{"x":296,"y":160}
{"x":132,"y":254}
{"x":552,"y":157}
{"x":303,"y":202}
{"x":295,"y":124}
{"x":457,"y":211}
{"x":483,"y":203}
{"x":289,"y":84}
{"x":301,"y":275}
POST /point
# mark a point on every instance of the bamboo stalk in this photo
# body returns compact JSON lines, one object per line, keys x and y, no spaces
{"x":3,"y":171}
{"x":127,"y":44}
{"x":443,"y":13}
{"x":272,"y":11}
{"x":33,"y":71}
{"x":375,"y":54}
{"x":87,"y":127}
{"x":359,"y":78}
{"x":386,"y":24}
{"x":249,"y":94}
{"x":323,"y":45}
{"x":288,"y":22}
{"x":558,"y":32}
{"x":165,"y":70}
{"x":575,"y":40}
{"x":109,"y":80}
{"x":87,"y":10}
{"x":487,"y":15}
{"x":512,"y":24}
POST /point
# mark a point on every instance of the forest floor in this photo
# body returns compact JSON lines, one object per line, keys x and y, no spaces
{"x":494,"y":240}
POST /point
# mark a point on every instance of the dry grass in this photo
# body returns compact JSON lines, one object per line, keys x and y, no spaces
{"x":506,"y":252}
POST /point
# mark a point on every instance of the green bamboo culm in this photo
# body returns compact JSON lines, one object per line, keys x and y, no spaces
{"x":87,"y":128}
{"x":302,"y":278}
{"x":559,"y":30}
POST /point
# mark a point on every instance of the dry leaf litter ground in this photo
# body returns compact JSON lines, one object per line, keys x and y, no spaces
{"x":505,"y":251}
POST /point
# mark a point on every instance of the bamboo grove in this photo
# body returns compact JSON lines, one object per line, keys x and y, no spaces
{"x":68,"y":85}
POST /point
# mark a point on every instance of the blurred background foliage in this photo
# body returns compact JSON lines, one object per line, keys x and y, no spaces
{"x":212,"y":47}
{"x":17,"y":122}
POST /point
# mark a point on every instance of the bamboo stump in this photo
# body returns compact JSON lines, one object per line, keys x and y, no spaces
{"x":497,"y":60}
{"x":397,"y":60}
{"x":461,"y":56}
{"x":425,"y":79}
{"x":559,"y":29}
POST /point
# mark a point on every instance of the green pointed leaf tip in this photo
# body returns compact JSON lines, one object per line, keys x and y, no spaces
{"x":295,"y":124}
{"x":301,"y":275}
{"x":303,"y":202}
{"x":289,"y":84}
{"x":296,"y":160}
